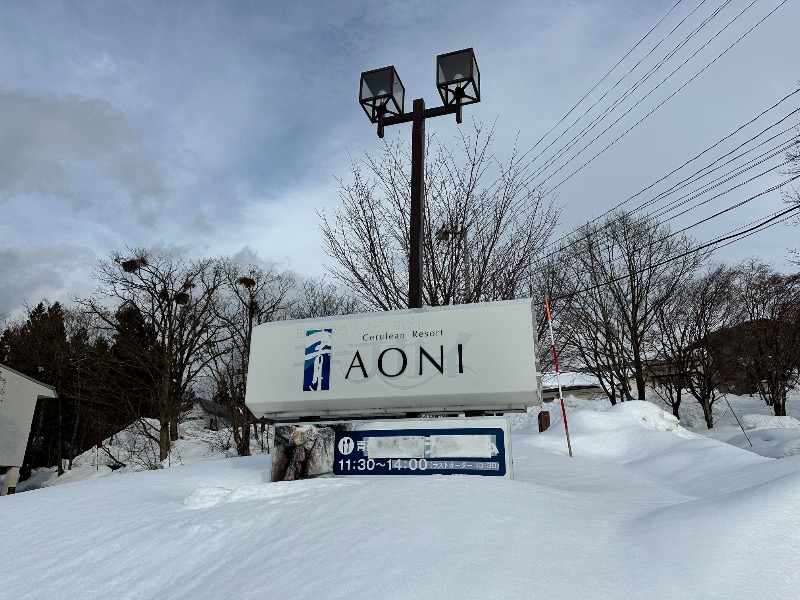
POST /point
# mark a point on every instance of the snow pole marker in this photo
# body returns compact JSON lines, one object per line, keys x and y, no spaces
{"x":558,"y":376}
{"x":737,"y":420}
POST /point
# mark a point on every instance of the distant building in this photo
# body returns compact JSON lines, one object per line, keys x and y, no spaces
{"x":213,"y":414}
{"x":18,"y":396}
{"x":581,"y":385}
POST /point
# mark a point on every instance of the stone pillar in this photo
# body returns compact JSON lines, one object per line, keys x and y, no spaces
{"x":12,"y":477}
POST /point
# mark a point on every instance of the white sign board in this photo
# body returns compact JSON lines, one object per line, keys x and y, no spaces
{"x":470,"y":357}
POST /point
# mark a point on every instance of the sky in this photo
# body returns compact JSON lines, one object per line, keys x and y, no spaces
{"x":222,"y":128}
{"x":643,"y":508}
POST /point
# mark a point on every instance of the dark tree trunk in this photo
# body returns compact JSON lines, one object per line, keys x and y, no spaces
{"x":707,"y":415}
{"x":640,"y":382}
{"x":74,"y":439}
{"x":163,"y":440}
{"x":60,"y":441}
{"x":613,"y":396}
{"x":779,"y":404}
{"x":676,"y":406}
{"x":244,"y":440}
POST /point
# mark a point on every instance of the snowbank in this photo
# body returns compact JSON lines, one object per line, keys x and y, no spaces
{"x":769,"y":422}
{"x":775,"y":443}
{"x":641,"y":510}
{"x":132,"y":451}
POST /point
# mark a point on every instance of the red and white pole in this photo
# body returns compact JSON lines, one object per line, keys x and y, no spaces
{"x":558,"y":376}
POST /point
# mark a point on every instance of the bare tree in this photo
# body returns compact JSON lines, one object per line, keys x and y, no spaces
{"x":711,"y":310}
{"x":177,"y":299}
{"x":252,"y":295}
{"x":687,"y":336}
{"x":793,"y":196}
{"x":316,"y":297}
{"x":618,"y":274}
{"x":595,"y":341}
{"x":768,"y":342}
{"x":671,"y":362}
{"x":490,"y":225}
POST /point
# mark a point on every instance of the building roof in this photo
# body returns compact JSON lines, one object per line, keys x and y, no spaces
{"x":5,"y":367}
{"x":569,"y":381}
{"x":19,"y":395}
{"x":213,"y":408}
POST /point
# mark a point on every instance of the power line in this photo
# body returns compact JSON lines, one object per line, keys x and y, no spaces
{"x":770,"y":224}
{"x":529,"y":178}
{"x":692,"y":196}
{"x":730,"y":237}
{"x":699,"y":174}
{"x":623,"y":134}
{"x":602,"y":79}
{"x":583,"y":237}
{"x":588,"y":110}
{"x":738,"y":204}
{"x":598,"y":83}
{"x":585,"y":131}
{"x":693,"y":159}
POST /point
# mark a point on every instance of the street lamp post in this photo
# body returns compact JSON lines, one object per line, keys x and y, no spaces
{"x":382,"y":96}
{"x":444,"y":235}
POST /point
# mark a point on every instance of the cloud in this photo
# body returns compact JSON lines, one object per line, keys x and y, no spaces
{"x":248,"y":256}
{"x":83,"y":151}
{"x":32,"y":274}
{"x":211,"y":126}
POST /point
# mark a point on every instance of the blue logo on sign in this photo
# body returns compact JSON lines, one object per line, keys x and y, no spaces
{"x":317,"y":366}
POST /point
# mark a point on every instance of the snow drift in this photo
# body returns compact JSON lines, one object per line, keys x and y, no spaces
{"x":644,"y":509}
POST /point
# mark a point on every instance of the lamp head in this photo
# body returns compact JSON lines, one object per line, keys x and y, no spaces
{"x":458,"y":78}
{"x":381,"y":93}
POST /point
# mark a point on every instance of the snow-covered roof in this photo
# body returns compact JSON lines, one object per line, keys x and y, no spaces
{"x":569,"y":380}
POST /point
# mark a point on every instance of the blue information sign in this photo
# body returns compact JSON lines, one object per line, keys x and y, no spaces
{"x":463,"y":451}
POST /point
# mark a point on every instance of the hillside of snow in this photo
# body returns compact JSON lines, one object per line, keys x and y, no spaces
{"x":645,"y":508}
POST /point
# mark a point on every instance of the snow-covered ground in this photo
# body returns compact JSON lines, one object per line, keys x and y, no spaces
{"x":137,"y":453}
{"x":764,"y":433}
{"x":644,"y":509}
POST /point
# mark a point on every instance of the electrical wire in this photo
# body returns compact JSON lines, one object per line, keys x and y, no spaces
{"x":630,"y":90}
{"x":541,"y":260}
{"x":710,"y":148}
{"x":672,"y":95}
{"x":737,"y":205}
{"x":697,"y":175}
{"x":587,"y":129}
{"x":604,"y":77}
{"x":730,"y":237}
{"x":700,"y":174}
{"x":678,"y":203}
{"x":784,"y":219}
{"x":697,"y":223}
{"x":599,"y":82}
{"x":691,"y":160}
